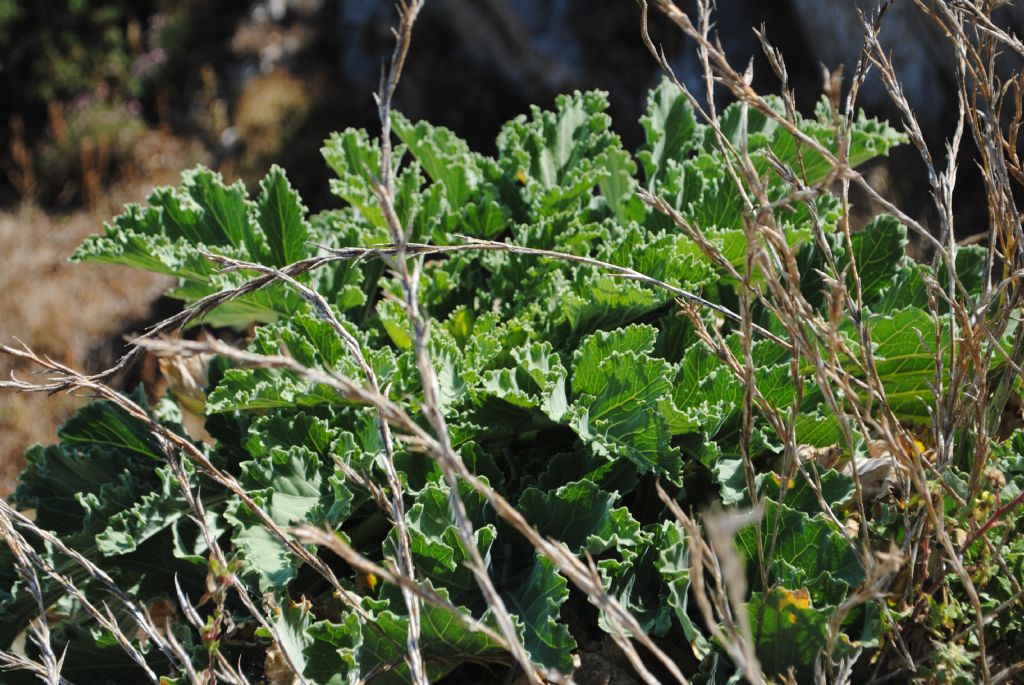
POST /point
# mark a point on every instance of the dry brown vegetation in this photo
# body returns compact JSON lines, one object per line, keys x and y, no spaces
{"x":63,"y":310}
{"x":75,"y":313}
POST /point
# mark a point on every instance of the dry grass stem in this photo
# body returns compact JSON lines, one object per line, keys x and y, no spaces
{"x":977,"y":343}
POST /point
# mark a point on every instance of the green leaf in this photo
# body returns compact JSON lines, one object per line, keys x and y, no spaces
{"x":790,"y":631}
{"x":312,"y":342}
{"x":904,"y":348}
{"x":617,"y":187}
{"x":622,"y":416}
{"x":286,"y":484}
{"x":105,"y":423}
{"x":634,"y":578}
{"x":281,"y":215}
{"x":674,"y":566}
{"x":536,"y":381}
{"x":670,"y":129}
{"x":971,"y":269}
{"x":836,"y":489}
{"x":732,"y":480}
{"x":908,"y":289}
{"x":704,"y":395}
{"x":536,"y":603}
{"x":445,"y":157}
{"x":562,"y":155}
{"x":153,"y":513}
{"x":869,"y":138}
{"x":331,"y":653}
{"x":171,"y":234}
{"x":445,"y":643}
{"x":878,"y":251}
{"x":602,"y":301}
{"x":396,"y":323}
{"x":437,"y":549}
{"x":589,"y":358}
{"x":572,"y":513}
{"x":225,"y":209}
{"x":808,"y":543}
{"x":291,"y":623}
{"x":265,"y":556}
{"x":355,"y":159}
{"x":671,"y":258}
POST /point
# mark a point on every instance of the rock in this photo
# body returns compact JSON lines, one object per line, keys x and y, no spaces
{"x":595,"y":669}
{"x":921,"y":54}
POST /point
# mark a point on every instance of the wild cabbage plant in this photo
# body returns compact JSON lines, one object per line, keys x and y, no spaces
{"x":618,"y":343}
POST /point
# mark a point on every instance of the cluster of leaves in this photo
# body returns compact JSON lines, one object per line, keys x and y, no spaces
{"x":571,"y":391}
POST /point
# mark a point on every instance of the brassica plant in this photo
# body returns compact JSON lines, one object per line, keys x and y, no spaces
{"x":615,"y":341}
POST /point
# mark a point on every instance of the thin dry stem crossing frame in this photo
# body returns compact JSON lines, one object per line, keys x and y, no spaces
{"x":856,"y":395}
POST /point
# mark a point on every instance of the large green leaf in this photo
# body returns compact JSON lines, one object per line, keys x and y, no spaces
{"x":905,"y":352}
{"x":537,"y":380}
{"x":437,"y":549}
{"x":621,"y":414}
{"x":572,"y":513}
{"x":445,"y":644}
{"x":878,"y":252}
{"x":634,"y":577}
{"x":674,"y":566}
{"x":105,"y":423}
{"x":536,"y":603}
{"x":170,"y":234}
{"x":670,"y":129}
{"x":282,"y":217}
{"x":869,"y":138}
{"x":560,"y":156}
{"x":151,"y":514}
{"x":355,"y":159}
{"x":287,"y":484}
{"x":466,"y":177}
{"x":790,"y":632}
{"x":808,"y":543}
